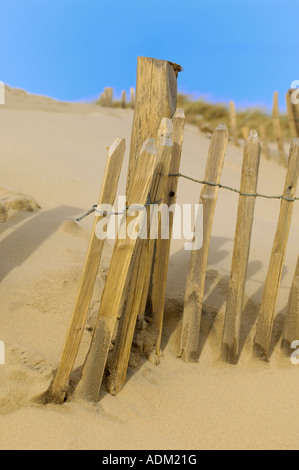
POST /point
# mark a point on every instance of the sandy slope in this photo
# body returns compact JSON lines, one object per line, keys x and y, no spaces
{"x":56,"y":153}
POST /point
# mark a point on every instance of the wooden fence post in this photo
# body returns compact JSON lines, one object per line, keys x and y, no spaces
{"x":267,"y":310}
{"x":199,"y":258}
{"x":160,"y":269}
{"x":264,"y":142}
{"x":245,"y":132}
{"x":235,"y":301}
{"x":109,"y":96}
{"x":233,"y":122}
{"x":59,"y":388}
{"x":156,"y":97}
{"x":277,"y":129}
{"x":291,"y":327}
{"x":291,"y":117}
{"x":142,"y":263}
{"x":132,"y":97}
{"x":116,"y":282}
{"x":123,"y":99}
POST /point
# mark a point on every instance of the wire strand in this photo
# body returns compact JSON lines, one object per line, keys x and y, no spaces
{"x":228,"y":188}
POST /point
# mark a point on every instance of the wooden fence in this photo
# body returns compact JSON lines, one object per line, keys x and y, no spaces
{"x":138,"y":266}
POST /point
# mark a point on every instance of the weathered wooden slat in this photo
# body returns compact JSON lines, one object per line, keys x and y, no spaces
{"x":116,"y":282}
{"x":269,"y":300}
{"x":199,"y":258}
{"x":118,"y":364}
{"x":156,"y":98}
{"x":235,"y":300}
{"x":60,"y":385}
{"x":160,"y":268}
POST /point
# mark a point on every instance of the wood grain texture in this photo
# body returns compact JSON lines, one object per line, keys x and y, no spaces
{"x":272,"y":283}
{"x":156,"y":98}
{"x":235,"y":300}
{"x":189,"y":350}
{"x":118,"y":364}
{"x":160,"y":268}
{"x":113,"y":294}
{"x":60,"y":385}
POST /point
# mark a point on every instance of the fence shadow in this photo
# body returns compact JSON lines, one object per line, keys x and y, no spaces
{"x":25,"y":239}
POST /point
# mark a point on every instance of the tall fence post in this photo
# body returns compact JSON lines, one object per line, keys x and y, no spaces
{"x":277,"y":129}
{"x":156,"y":97}
{"x":235,"y":300}
{"x":123,"y":99}
{"x":117,"y":278}
{"x":132,"y":97}
{"x":199,"y":258}
{"x":60,"y":385}
{"x":142,"y":263}
{"x":108,"y":96}
{"x":233,"y":122}
{"x":160,"y":269}
{"x":264,"y":142}
{"x":291,"y":117}
{"x":291,"y":327}
{"x":271,"y":288}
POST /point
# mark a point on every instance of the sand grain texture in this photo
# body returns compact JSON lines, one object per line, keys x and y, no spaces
{"x":56,"y":153}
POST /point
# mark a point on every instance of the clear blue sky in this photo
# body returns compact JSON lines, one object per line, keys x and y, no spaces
{"x":72,"y":49}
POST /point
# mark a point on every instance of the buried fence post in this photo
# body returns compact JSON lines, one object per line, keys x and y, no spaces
{"x":267,"y":310}
{"x":123,"y":99}
{"x":60,"y":385}
{"x":108,"y":96}
{"x":189,"y":349}
{"x":234,"y":308}
{"x":132,"y":97}
{"x":156,"y":98}
{"x":233,"y":122}
{"x":264,"y":142}
{"x":291,"y":327}
{"x":116,"y":282}
{"x":291,"y":116}
{"x":160,"y":268}
{"x":142,"y":263}
{"x":277,"y":129}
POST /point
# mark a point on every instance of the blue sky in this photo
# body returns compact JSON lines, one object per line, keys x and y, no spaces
{"x":71,"y":49}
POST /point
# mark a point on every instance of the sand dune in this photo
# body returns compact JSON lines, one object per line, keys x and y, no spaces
{"x":54,"y":153}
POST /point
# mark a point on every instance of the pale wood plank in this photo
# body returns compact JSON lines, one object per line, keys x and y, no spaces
{"x":59,"y":388}
{"x":235,"y":300}
{"x":160,"y":269}
{"x":116,"y":282}
{"x":132,"y":97}
{"x":118,"y":364}
{"x":271,"y":288}
{"x":291,"y":117}
{"x":156,"y":97}
{"x":123,"y":99}
{"x":199,"y":258}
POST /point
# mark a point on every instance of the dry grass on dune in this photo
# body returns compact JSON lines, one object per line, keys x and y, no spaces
{"x":212,"y":114}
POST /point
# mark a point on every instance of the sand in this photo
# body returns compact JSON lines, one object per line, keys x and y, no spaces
{"x":53,"y":156}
